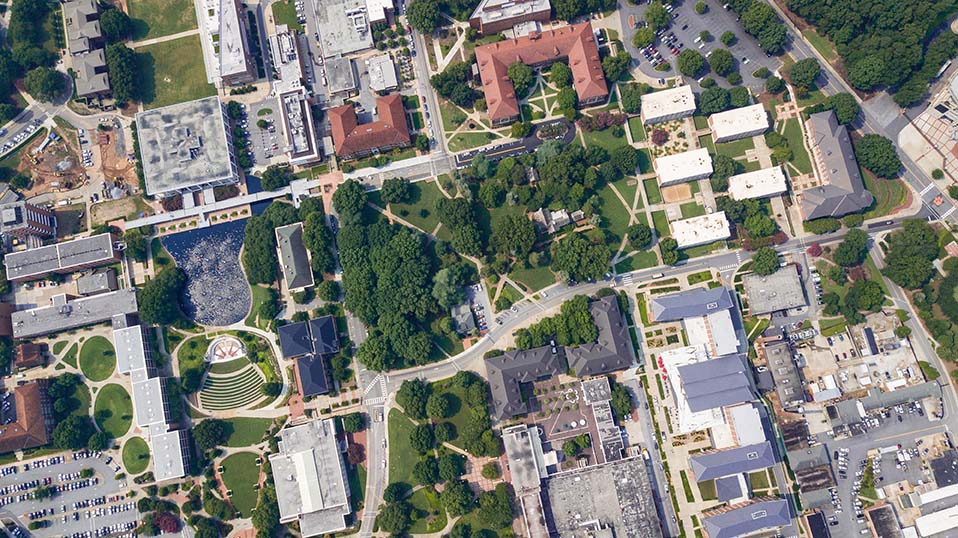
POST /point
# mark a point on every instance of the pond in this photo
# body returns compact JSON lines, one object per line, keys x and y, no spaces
{"x":216,"y":293}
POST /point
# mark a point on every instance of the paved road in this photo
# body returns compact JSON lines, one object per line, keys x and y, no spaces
{"x":375,"y":468}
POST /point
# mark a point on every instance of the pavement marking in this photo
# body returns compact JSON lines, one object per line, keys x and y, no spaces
{"x":949,"y":212}
{"x":926,"y":189}
{"x":909,"y":434}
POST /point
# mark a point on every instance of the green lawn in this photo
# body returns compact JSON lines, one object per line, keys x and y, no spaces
{"x":259,"y":296}
{"x":701,"y":276}
{"x":241,"y":475}
{"x":889,"y":194}
{"x":931,"y":373}
{"x":356,"y":475}
{"x":758,"y":480}
{"x":172,"y":72}
{"x":705,"y":141}
{"x":425,"y":502}
{"x":229,"y":367}
{"x":615,"y":216}
{"x":691,"y":209}
{"x":113,"y":410}
{"x":157,"y":18}
{"x":661,"y":223}
{"x":464,"y":141}
{"x":638,"y":130}
{"x":833,"y":326}
{"x":246,"y":431}
{"x":821,"y":44}
{"x":642,"y":259}
{"x":604,"y":139}
{"x":160,"y":256}
{"x":735,"y":148}
{"x":136,"y":455}
{"x":701,"y":122}
{"x":420,"y":211}
{"x":70,"y":357}
{"x":81,"y":393}
{"x":707,"y":490}
{"x":285,"y":13}
{"x":97,"y":358}
{"x":402,"y":457}
{"x":417,"y":121}
{"x":645,"y":161}
{"x":800,"y":159}
{"x":627,"y":187}
{"x":452,"y":116}
{"x":58,"y":347}
{"x":652,"y":193}
{"x":534,"y":278}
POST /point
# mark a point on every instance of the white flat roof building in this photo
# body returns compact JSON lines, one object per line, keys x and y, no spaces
{"x":682,"y":167}
{"x":666,"y":105}
{"x":715,"y":331}
{"x":738,"y":123}
{"x":149,"y":402}
{"x":937,"y":522}
{"x":382,"y":73}
{"x":170,"y":453}
{"x":701,"y":230}
{"x":758,"y":184}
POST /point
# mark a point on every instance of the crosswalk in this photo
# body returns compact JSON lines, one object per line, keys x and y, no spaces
{"x":381,"y":399}
{"x":927,"y":188}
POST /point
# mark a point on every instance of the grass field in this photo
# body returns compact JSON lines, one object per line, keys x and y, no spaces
{"x":70,"y":357}
{"x":136,"y":455}
{"x":735,"y":148}
{"x":241,"y":475}
{"x":615,"y":216}
{"x":800,"y":159}
{"x":97,"y":359}
{"x":425,"y":503}
{"x":652,"y":193}
{"x":604,"y":139}
{"x":231,"y":391}
{"x":246,"y":431}
{"x":157,"y":18}
{"x":113,"y":410}
{"x":889,"y":194}
{"x":172,"y":72}
{"x":259,"y":296}
{"x":402,"y":457}
{"x":705,"y":141}
{"x":661,"y":223}
{"x":81,"y":393}
{"x":285,"y":13}
{"x":452,"y":116}
{"x":58,"y":347}
{"x":637,"y":129}
{"x":229,"y":367}
{"x":627,"y":187}
{"x":420,"y":211}
{"x":464,"y":141}
{"x":701,"y":122}
{"x":642,"y":259}
{"x":691,"y":209}
{"x":707,"y":490}
{"x":535,"y":278}
{"x":821,"y":44}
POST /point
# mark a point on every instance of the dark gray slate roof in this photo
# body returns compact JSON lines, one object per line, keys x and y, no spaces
{"x":325,"y":339}
{"x":845,"y":193}
{"x":293,"y":258}
{"x":312,"y":375}
{"x":294,"y":340}
{"x":807,"y":458}
{"x":748,"y":519}
{"x":717,"y":382}
{"x":612,"y":350}
{"x":508,"y":371}
{"x":728,"y":488}
{"x":743,"y":459}
{"x":691,"y":303}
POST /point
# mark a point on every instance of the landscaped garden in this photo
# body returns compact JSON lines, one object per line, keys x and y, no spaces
{"x":97,"y":358}
{"x":136,"y":455}
{"x":113,"y":410}
{"x":241,"y":476}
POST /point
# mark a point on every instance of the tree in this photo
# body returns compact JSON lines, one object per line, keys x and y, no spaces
{"x":447,"y":290}
{"x":825,"y":225}
{"x":728,"y":38}
{"x":701,"y":7}
{"x":490,"y":471}
{"x":277,"y":176}
{"x":878,"y":154}
{"x":938,"y":173}
{"x":522,"y":77}
{"x":396,"y":190}
{"x":865,"y":295}
{"x":328,"y":290}
{"x":853,"y":249}
{"x":423,"y":15}
{"x":444,"y":432}
{"x":137,"y":244}
{"x":124,"y":74}
{"x":350,"y":199}
{"x":845,"y":106}
{"x":438,"y":406}
{"x":451,"y":466}
{"x":759,"y":20}
{"x":643,"y":37}
{"x":721,"y":61}
{"x":353,"y":422}
{"x":209,"y":434}
{"x":622,"y":403}
{"x":580,"y":258}
{"x":426,"y":471}
{"x":396,"y":492}
{"x":166,"y":522}
{"x":458,"y":498}
{"x":765,"y":261}
{"x":43,"y":83}
{"x":866,"y":73}
{"x":659,"y":137}
{"x":115,"y":24}
{"x":421,"y":439}
{"x":72,"y":433}
{"x":657,"y":16}
{"x":422,"y":142}
{"x":513,"y":235}
{"x":617,"y":65}
{"x":561,"y":75}
{"x":714,"y":99}
{"x":911,"y":250}
{"x":99,"y":441}
{"x":774,"y":85}
{"x":669,"y":249}
{"x":453,"y":84}
{"x":567,"y":99}
{"x":734,"y":78}
{"x":691,"y":63}
{"x":640,"y":235}
{"x":159,"y":297}
{"x":804,"y":72}
{"x":632,"y":96}
{"x":394,"y":517}
{"x":495,"y":508}
{"x":521,"y":129}
{"x":723,"y":168}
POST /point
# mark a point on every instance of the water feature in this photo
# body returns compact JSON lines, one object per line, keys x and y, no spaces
{"x":216,"y":293}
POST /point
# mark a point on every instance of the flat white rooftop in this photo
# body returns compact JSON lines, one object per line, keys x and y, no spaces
{"x":937,"y":522}
{"x":758,"y":184}
{"x":682,"y":167}
{"x":738,"y":122}
{"x":668,"y":104}
{"x":701,"y":230}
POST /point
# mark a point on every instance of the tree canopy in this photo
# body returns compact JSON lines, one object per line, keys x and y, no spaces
{"x":43,"y":83}
{"x":878,"y":154}
{"x":721,"y":61}
{"x":561,"y":75}
{"x":580,"y":258}
{"x":115,"y":24}
{"x":691,"y":63}
{"x":124,"y":75}
{"x":765,"y":261}
{"x":804,"y":72}
{"x":423,"y":15}
{"x":349,"y":201}
{"x":657,"y":16}
{"x":159,"y":298}
{"x":911,"y":250}
{"x":522,"y":77}
{"x":853,"y":249}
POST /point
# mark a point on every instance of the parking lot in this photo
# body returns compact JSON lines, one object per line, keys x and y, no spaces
{"x":83,"y":504}
{"x":686,"y":27}
{"x":262,"y":141}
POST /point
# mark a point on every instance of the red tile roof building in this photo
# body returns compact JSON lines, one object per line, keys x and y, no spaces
{"x":353,"y":140}
{"x":573,"y":44}
{"x":28,"y":356}
{"x":33,"y":420}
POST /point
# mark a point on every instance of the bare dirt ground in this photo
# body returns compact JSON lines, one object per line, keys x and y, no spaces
{"x":57,"y":163}
{"x":114,"y":162}
{"x":677,"y":193}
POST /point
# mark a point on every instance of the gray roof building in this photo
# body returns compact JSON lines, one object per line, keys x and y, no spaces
{"x":97,"y":282}
{"x":748,"y":519}
{"x":324,"y":334}
{"x":186,"y":147}
{"x":776,"y":292}
{"x":342,"y":76}
{"x":132,"y":350}
{"x":722,"y":463}
{"x":382,"y":73}
{"x":717,"y":382}
{"x":462,"y":317}
{"x":786,"y":374}
{"x":807,"y":458}
{"x":294,"y":340}
{"x":842,"y":190}
{"x":343,"y":27}
{"x":171,"y":454}
{"x":692,"y":303}
{"x":524,"y":457}
{"x":311,"y":484}
{"x":293,"y":257}
{"x":82,"y":25}
{"x":64,"y":314}
{"x":63,"y":257}
{"x":728,"y":488}
{"x":311,"y":375}
{"x":612,"y":349}
{"x":507,"y":372}
{"x":91,"y":74}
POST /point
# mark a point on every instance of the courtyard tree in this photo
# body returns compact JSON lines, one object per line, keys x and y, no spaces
{"x":561,"y":75}
{"x":580,"y":258}
{"x":878,"y":154}
{"x":522,"y":77}
{"x":394,"y":518}
{"x":423,"y":15}
{"x":714,"y":99}
{"x":765,"y":261}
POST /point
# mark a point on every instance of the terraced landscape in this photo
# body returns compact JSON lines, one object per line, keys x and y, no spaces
{"x":222,"y":392}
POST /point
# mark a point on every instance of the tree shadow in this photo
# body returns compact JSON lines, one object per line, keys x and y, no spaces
{"x":140,"y":29}
{"x":146,"y":77}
